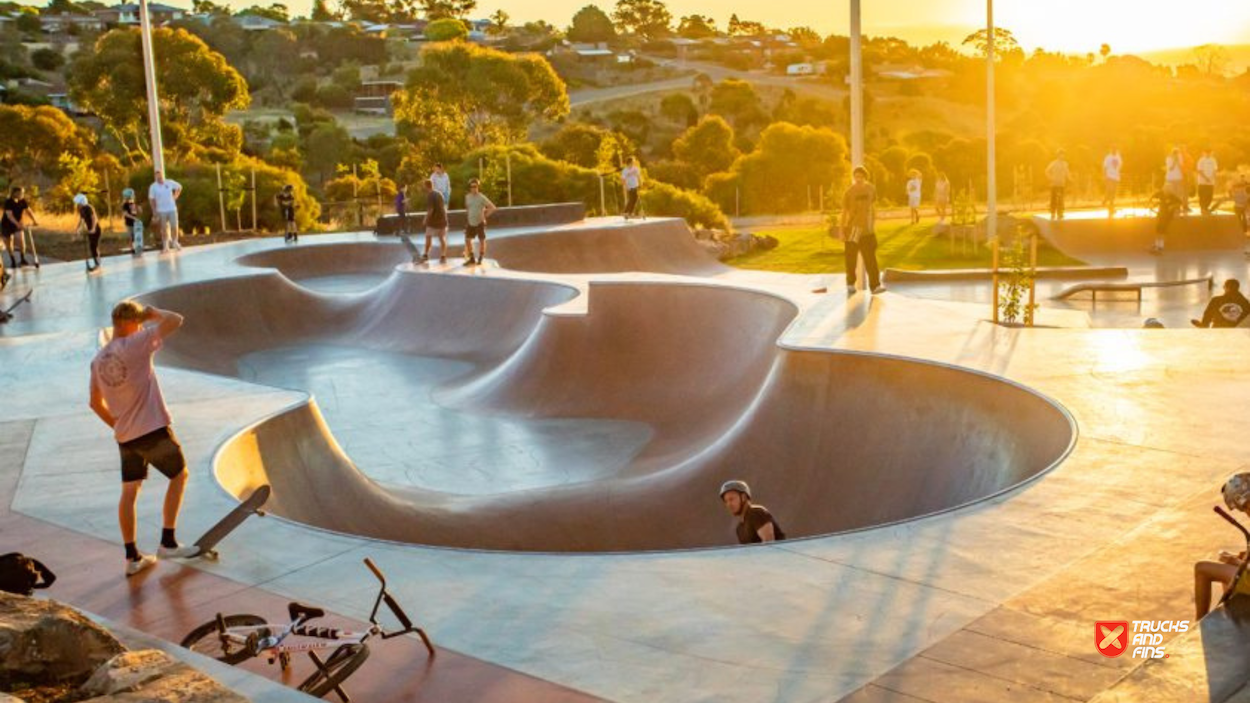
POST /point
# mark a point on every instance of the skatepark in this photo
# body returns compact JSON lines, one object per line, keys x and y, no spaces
{"x":531,"y":449}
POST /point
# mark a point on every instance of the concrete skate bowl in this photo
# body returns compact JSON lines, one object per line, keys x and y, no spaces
{"x":686,"y":386}
{"x":663,"y":245}
{"x":327,"y":266}
{"x":1091,"y":236}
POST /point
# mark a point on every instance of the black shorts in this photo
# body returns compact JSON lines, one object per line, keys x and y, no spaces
{"x":159,"y":448}
{"x":288,"y":214}
{"x":7,"y":234}
{"x":471,"y":231}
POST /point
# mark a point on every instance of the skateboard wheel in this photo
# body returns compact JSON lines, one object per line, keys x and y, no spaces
{"x":261,"y":513}
{"x":211,"y":555}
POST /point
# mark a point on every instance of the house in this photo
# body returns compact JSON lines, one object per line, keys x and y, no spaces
{"x":257,"y":23}
{"x":127,"y":14}
{"x":60,"y":24}
{"x":800,"y":69}
{"x":375,"y":97}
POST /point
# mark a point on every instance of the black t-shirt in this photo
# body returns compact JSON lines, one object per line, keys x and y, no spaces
{"x":16,"y":208}
{"x":130,"y":212}
{"x":87,"y":213}
{"x":286,"y":201}
{"x":749,"y":528}
{"x":435,"y":210}
{"x":1226,"y":310}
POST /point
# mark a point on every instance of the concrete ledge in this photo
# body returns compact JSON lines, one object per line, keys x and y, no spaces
{"x":1060,"y":273}
{"x":519,"y":216}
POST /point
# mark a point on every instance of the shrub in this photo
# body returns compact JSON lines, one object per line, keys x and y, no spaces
{"x":199,"y":209}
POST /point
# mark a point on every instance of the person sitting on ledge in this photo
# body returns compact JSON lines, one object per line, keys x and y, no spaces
{"x":1236,"y":494}
{"x":755,"y":523}
{"x":1227,"y":310}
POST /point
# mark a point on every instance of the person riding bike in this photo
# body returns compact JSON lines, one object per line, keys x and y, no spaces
{"x":1236,"y":492}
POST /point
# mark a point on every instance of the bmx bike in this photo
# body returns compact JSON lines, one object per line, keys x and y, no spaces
{"x":234,"y":639}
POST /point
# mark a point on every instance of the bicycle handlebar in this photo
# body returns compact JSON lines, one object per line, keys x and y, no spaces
{"x":1224,"y":514}
{"x":376,"y":571}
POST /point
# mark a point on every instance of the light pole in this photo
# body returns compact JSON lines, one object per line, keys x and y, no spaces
{"x":857,"y":88}
{"x":149,"y":77}
{"x":991,"y":178}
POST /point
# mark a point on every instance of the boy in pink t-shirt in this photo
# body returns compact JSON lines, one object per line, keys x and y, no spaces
{"x":127,"y":397}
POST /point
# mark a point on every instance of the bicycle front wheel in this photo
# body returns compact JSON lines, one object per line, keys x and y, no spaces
{"x":209,"y":640}
{"x":343,"y":663}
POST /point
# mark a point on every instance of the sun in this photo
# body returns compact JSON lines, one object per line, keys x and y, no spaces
{"x":1081,"y":26}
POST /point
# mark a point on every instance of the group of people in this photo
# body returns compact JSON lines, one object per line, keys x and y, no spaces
{"x":1182,"y":175}
{"x":915,"y":193}
{"x":478,"y":209}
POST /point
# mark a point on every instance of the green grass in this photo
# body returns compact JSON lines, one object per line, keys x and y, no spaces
{"x":900,"y":246}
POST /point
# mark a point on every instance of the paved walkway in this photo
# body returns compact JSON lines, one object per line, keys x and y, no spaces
{"x":909,"y":609}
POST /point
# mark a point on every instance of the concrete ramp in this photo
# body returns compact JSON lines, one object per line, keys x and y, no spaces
{"x":831,"y":441}
{"x":1092,"y":236}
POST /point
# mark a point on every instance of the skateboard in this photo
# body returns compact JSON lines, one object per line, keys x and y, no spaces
{"x":136,"y":240}
{"x":208,"y":543}
{"x":412,"y":248}
{"x":30,"y":240}
{"x":7,"y":313}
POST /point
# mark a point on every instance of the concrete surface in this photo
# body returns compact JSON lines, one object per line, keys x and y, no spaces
{"x":893,"y":612}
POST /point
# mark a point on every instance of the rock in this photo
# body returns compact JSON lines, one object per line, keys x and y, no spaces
{"x":152,"y":676}
{"x":714,"y":248}
{"x":766,"y":242}
{"x":42,"y":641}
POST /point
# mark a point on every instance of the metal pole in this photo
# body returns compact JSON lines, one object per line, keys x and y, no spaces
{"x":221,"y":199}
{"x":108,"y":198}
{"x":857,"y":88}
{"x":991,"y":180}
{"x":603,"y":198}
{"x":509,"y":160}
{"x":994,"y":268}
{"x":253,"y":198}
{"x":149,"y":76}
{"x":1028,"y":314}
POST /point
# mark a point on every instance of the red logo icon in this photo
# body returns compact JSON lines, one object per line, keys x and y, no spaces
{"x":1111,"y":637}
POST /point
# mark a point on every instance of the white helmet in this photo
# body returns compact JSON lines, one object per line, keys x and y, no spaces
{"x":1237,"y":492}
{"x":80,"y":199}
{"x":739,"y":486}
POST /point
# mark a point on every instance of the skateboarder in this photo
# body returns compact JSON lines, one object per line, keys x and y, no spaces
{"x":401,"y":208}
{"x":131,"y":216}
{"x":1058,"y":174}
{"x":1240,"y":195}
{"x":435,"y":222}
{"x":478,"y":209}
{"x":286,"y":204}
{"x":1207,"y":170}
{"x":755,"y":523}
{"x":631,"y":179}
{"x":1236,"y":493}
{"x":858,"y":214}
{"x":1112,"y":165}
{"x":16,"y":209}
{"x":89,"y":225}
{"x":915,"y":186}
{"x":1226,"y":310}
{"x":1169,"y":206}
{"x":127,"y":397}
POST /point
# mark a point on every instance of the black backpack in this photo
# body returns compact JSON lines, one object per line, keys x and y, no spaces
{"x":22,"y":575}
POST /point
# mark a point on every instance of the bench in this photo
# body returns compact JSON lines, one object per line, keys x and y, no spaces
{"x":1094,"y":288}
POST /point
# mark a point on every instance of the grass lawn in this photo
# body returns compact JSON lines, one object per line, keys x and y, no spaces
{"x":900,"y":245}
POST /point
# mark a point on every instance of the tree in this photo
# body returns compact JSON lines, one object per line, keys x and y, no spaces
{"x":197,"y":85}
{"x":499,"y":22}
{"x":804,"y":36}
{"x":442,"y":9}
{"x":326,"y":147}
{"x":744,"y":28}
{"x":47,"y":59}
{"x":321,"y":12}
{"x":777,"y":175}
{"x":591,"y":26}
{"x":28,"y":23}
{"x":464,"y":96}
{"x":35,"y":138}
{"x":1212,"y":59}
{"x":1104,"y":51}
{"x":646,"y":18}
{"x":577,"y":143}
{"x":708,"y":147}
{"x":208,"y":7}
{"x":696,"y":27}
{"x":679,"y":108}
{"x":738,"y":101}
{"x":1004,"y":42}
{"x":276,"y":12}
{"x":369,"y":11}
{"x":446,"y":29}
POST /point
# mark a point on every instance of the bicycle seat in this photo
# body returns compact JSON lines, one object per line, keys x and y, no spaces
{"x":304,"y":612}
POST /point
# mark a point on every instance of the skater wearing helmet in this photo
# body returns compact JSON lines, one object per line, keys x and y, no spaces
{"x":1237,"y":497}
{"x":755,"y":523}
{"x":134,"y":225}
{"x":286,"y":204}
{"x":89,"y":224}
